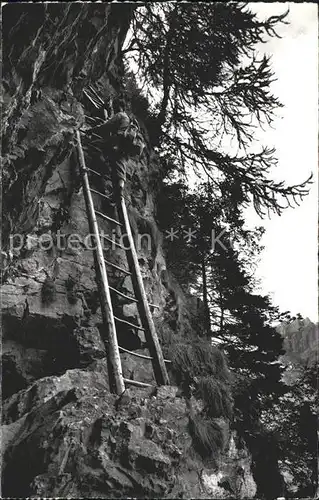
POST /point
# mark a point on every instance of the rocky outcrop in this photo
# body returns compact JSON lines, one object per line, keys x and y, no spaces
{"x":62,"y":429}
{"x":70,"y":437}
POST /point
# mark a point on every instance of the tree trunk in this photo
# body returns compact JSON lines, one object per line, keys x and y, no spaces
{"x":207,"y":324}
{"x":221,"y":323}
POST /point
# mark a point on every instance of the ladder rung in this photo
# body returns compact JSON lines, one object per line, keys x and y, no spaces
{"x":107,"y":217}
{"x":141,"y":355}
{"x":87,"y":92}
{"x":135,"y":353}
{"x":113,"y":241}
{"x":93,"y":101}
{"x":153,"y":305}
{"x":88,"y":131}
{"x":132,"y":299}
{"x":92,"y":89}
{"x":96,"y":118}
{"x":137,"y":383}
{"x":117,"y":267}
{"x":92,"y":134}
{"x":97,"y":135}
{"x":98,"y":173}
{"x":91,"y":118}
{"x":128,"y":323}
{"x":93,"y":147}
{"x":94,"y":171}
{"x":101,"y":194}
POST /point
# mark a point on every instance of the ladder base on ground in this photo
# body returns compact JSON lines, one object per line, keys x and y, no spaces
{"x":117,"y":381}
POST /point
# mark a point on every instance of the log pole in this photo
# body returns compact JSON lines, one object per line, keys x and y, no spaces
{"x":159,"y":368}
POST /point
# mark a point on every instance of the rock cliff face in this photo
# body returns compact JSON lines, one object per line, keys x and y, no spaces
{"x":64,"y":434}
{"x":68,"y":436}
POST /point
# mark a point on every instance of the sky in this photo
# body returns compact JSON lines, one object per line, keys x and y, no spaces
{"x":288,"y":266}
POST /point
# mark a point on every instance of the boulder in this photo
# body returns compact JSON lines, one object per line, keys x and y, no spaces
{"x":89,"y":345}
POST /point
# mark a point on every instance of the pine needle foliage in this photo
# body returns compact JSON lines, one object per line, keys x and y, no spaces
{"x":199,"y":63}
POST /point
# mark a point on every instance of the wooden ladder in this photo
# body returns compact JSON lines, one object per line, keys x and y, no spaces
{"x":116,"y":379}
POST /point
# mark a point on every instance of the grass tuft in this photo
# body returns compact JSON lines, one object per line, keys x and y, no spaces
{"x":206,"y":434}
{"x":201,"y":370}
{"x":217,"y":397}
{"x":197,"y":359}
{"x":48,"y":292}
{"x":71,"y":292}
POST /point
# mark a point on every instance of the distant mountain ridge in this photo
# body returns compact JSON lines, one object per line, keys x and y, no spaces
{"x":300,"y":345}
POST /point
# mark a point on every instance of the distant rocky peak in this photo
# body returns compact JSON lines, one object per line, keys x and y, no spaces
{"x":301,"y":346}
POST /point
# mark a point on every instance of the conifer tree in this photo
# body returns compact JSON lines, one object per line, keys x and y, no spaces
{"x":199,"y":66}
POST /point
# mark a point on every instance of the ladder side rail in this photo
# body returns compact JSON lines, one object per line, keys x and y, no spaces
{"x":114,"y":360}
{"x":159,"y":368}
